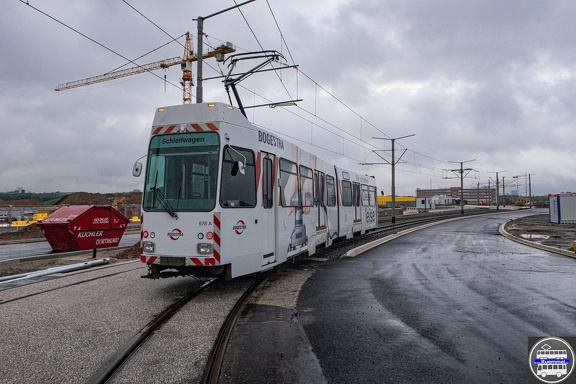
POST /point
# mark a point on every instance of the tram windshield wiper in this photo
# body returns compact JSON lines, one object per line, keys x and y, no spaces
{"x":158,"y":195}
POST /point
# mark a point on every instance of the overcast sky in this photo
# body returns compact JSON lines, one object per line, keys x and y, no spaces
{"x":489,"y":81}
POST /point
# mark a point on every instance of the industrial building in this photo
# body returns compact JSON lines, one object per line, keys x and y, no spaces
{"x":406,"y":201}
{"x":481,"y":195}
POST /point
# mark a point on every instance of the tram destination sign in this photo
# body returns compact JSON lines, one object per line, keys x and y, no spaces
{"x":184,"y":140}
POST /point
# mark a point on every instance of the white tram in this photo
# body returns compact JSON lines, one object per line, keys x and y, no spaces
{"x":222,"y":196}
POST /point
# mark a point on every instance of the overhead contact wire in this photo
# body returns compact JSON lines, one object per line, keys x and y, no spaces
{"x":92,"y":40}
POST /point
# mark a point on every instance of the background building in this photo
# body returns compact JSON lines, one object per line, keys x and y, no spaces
{"x":481,"y":195}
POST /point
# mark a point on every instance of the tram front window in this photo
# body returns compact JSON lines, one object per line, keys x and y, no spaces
{"x":182,"y":173}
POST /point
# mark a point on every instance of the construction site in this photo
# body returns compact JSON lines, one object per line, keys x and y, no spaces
{"x":24,"y":212}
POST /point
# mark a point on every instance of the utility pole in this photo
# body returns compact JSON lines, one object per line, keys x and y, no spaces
{"x":527,"y":187}
{"x":478,"y":193}
{"x":393,"y":164}
{"x":461,"y":172}
{"x":200,"y":21}
{"x":530,"y":189}
{"x":497,"y":188}
{"x":504,"y":190}
{"x":517,"y":177}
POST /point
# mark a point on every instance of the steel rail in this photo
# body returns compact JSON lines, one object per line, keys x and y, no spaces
{"x":109,"y":369}
{"x":216,"y":357}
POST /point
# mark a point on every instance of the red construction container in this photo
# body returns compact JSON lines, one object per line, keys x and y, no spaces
{"x":82,"y":227}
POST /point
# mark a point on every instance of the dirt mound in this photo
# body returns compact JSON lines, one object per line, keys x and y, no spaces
{"x":85,"y":198}
{"x":130,"y":253}
{"x":21,"y":203}
{"x":29,"y":232}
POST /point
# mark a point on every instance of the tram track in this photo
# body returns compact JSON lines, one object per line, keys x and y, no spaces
{"x":108,"y":371}
{"x":120,"y":366}
{"x":216,"y":357}
{"x":119,"y":358}
{"x":115,"y":319}
{"x":143,"y":344}
{"x":115,"y":362}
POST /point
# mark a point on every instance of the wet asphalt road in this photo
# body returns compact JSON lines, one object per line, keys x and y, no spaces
{"x":453,"y":303}
{"x":16,"y":251}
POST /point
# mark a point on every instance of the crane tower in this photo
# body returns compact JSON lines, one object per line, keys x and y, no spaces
{"x":187,"y":81}
{"x":185,"y":62}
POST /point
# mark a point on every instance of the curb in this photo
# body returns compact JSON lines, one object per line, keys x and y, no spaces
{"x":532,"y":244}
{"x":366,"y":247}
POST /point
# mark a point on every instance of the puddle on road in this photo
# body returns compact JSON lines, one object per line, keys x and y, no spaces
{"x":531,"y":236}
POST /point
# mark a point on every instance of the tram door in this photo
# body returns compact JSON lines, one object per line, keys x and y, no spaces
{"x":356,"y":202}
{"x":268,"y":225}
{"x":320,"y":199}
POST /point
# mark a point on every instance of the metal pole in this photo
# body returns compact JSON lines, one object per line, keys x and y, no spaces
{"x":497,"y":192}
{"x":478,"y":193}
{"x":497,"y":188}
{"x":393,"y":185}
{"x":461,"y":188}
{"x":199,"y":63}
{"x":392,"y":163}
{"x":525,"y":184}
{"x":461,"y":181}
{"x":530,"y":189}
{"x":200,"y":21}
{"x":503,"y":191}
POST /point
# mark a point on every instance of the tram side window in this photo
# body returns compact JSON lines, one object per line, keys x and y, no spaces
{"x":365,"y":195}
{"x":372,"y":195}
{"x":307,"y":185}
{"x":346,"y":193}
{"x":238,"y":190}
{"x":356,"y":194}
{"x":289,"y":196}
{"x":330,"y":191}
{"x":320,"y":188}
{"x":267,"y":191}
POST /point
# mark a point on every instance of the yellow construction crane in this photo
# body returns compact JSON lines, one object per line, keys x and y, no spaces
{"x":186,"y":65}
{"x":187,"y":81}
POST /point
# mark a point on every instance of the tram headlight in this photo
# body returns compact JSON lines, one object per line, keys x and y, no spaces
{"x":148,"y":246}
{"x":204,"y":248}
